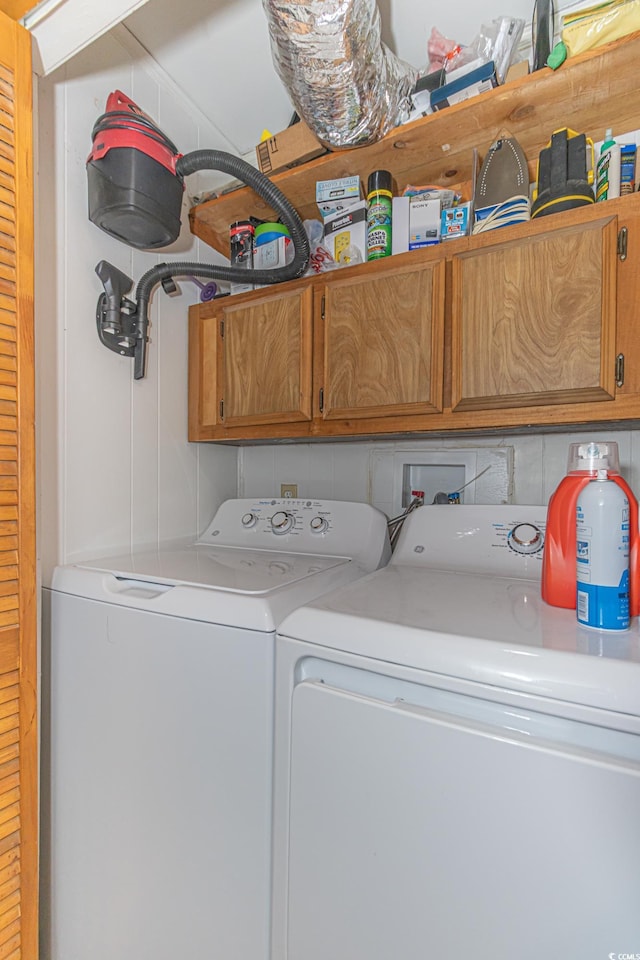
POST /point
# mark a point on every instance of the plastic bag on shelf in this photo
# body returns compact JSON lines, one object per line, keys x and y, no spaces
{"x":591,"y":27}
{"x":439,"y":50}
{"x":320,"y":260}
{"x":497,"y":41}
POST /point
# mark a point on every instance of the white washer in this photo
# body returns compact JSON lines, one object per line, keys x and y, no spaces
{"x":158,"y":715}
{"x":457,"y":764}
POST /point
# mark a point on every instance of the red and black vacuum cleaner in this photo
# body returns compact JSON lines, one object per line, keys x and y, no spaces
{"x":136,"y":181}
{"x":135,"y":192}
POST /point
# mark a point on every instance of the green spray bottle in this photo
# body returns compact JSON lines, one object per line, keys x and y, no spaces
{"x":379,"y":214}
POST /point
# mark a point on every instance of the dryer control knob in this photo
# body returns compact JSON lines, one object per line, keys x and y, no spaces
{"x":249,"y":520}
{"x":526,"y":538}
{"x":319,"y":524}
{"x":281,"y":522}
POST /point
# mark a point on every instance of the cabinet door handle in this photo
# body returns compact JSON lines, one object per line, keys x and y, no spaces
{"x":620,"y":370}
{"x":622,"y":243}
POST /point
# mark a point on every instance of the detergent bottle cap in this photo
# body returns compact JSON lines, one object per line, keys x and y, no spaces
{"x":591,"y":456}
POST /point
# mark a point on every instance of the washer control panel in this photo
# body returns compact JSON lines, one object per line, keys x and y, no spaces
{"x":331,"y":527}
{"x":288,"y":516}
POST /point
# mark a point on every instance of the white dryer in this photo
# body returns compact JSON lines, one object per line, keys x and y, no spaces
{"x":457,"y":767}
{"x":158,"y":727}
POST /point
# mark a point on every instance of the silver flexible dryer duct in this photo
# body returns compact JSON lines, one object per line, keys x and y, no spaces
{"x":343,"y":81}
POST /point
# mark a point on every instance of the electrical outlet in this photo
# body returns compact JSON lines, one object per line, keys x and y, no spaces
{"x":289,"y":490}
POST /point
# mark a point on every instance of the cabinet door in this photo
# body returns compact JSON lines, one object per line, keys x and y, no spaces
{"x":204,"y":339}
{"x":18,"y":651}
{"x":265,"y":359}
{"x":383,"y":342}
{"x":533,"y":320}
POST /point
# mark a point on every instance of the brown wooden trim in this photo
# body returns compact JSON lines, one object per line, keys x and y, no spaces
{"x":15,"y":55}
{"x":16,"y":8}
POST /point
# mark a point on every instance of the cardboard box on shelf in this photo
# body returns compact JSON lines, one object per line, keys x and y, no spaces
{"x":272,"y":255}
{"x":289,"y":148}
{"x":517,"y":70}
{"x":333,"y":196}
{"x":400,"y":225}
{"x":424,"y":222}
{"x":456,"y":221}
{"x":348,"y":228}
{"x":466,"y":86}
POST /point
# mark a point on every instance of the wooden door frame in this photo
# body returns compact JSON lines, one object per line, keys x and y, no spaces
{"x":15,"y":57}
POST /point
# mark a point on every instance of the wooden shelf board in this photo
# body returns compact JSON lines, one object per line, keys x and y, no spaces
{"x":589,"y":94}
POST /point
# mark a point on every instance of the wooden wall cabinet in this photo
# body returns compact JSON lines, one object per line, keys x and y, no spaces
{"x":533,"y":319}
{"x":378,"y":351}
{"x":528,"y":325}
{"x":250,"y":365}
{"x":382,"y":336}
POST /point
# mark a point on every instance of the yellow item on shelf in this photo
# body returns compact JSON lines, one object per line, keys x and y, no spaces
{"x":602,"y":23}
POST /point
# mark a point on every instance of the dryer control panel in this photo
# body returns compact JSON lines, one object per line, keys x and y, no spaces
{"x":504,"y":540}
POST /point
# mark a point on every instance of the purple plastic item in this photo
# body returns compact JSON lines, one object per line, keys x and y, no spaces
{"x":208,"y":291}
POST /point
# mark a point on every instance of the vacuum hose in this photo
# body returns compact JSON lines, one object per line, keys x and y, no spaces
{"x":227,"y":163}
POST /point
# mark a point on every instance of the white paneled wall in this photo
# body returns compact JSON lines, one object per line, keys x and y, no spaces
{"x":115,"y":467}
{"x":356,"y":471}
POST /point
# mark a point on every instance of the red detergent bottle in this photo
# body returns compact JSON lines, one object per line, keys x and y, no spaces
{"x":559,"y":558}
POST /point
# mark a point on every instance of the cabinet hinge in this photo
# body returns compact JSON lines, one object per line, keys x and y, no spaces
{"x":322,"y":308}
{"x":622,"y":243}
{"x":620,"y":370}
{"x":321,"y":399}
{"x":222,"y":329}
{"x":222,"y":409}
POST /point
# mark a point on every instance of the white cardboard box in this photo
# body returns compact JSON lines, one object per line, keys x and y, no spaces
{"x":424,"y":223}
{"x":400,"y":225}
{"x":335,"y":196}
{"x":348,"y":228}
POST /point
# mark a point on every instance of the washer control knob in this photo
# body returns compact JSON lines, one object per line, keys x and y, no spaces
{"x":249,"y":520}
{"x":319,"y":524}
{"x":281,"y":522}
{"x":526,"y":538}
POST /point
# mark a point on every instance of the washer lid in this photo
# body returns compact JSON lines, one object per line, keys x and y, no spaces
{"x":486,"y":629}
{"x":252,"y":590}
{"x":256,"y":572}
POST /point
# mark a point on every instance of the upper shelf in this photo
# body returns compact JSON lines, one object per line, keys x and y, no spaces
{"x":589,"y":94}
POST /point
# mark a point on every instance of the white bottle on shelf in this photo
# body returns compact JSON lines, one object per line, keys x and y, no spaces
{"x":608,"y":169}
{"x":602,"y":558}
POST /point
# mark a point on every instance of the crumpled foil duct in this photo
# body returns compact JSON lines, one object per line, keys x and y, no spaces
{"x":343,"y":81}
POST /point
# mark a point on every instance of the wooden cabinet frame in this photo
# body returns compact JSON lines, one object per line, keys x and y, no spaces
{"x":587,"y":391}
